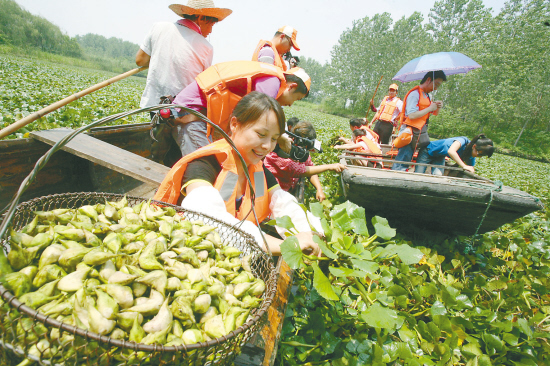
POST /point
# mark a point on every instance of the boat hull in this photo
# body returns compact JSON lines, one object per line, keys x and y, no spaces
{"x":437,"y":203}
{"x":66,"y":172}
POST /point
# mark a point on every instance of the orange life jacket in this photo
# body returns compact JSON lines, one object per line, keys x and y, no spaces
{"x":226,"y":182}
{"x":385,"y":113}
{"x":279,"y":62}
{"x":374,"y":134}
{"x":216,"y":82}
{"x":372,"y":146}
{"x":423,"y":103}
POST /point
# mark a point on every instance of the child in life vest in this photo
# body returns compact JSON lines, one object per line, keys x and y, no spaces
{"x":288,"y":172}
{"x":213,"y":181}
{"x":364,"y":142}
{"x":463,"y":151}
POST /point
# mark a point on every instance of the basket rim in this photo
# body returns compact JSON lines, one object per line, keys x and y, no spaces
{"x":14,"y":302}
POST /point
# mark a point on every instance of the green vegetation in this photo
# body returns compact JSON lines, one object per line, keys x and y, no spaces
{"x":27,"y":86}
{"x":506,"y":99}
{"x":27,"y":35}
{"x":381,"y":298}
{"x":22,"y":29}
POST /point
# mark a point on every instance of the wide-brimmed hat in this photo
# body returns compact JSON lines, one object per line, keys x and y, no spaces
{"x":201,"y":7}
{"x":291,"y":33}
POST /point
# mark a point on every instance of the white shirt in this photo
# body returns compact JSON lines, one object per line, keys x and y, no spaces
{"x":178,"y":55}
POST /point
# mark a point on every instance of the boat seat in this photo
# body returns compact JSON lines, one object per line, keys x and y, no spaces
{"x":105,"y":154}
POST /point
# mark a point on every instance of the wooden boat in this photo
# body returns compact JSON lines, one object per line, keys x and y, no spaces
{"x":458,"y":202}
{"x":114,"y":159}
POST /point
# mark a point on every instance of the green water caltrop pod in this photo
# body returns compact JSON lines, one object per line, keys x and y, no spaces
{"x":142,"y":274}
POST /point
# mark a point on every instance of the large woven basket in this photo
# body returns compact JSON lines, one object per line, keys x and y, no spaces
{"x":89,"y":348}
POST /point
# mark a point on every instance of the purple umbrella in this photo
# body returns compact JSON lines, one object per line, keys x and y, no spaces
{"x":450,"y":62}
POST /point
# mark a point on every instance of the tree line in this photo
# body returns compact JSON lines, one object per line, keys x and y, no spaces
{"x":507,"y":99}
{"x":22,"y":29}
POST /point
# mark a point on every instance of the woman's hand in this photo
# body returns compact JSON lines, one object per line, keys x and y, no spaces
{"x":337,"y":167}
{"x":469,"y":168}
{"x":320,"y":195}
{"x":307,"y":245}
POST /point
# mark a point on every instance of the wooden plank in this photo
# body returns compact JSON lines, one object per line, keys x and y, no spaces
{"x":262,"y":348}
{"x":271,"y":332}
{"x":107,"y":155}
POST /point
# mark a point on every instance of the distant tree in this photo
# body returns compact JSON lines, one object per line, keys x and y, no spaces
{"x":23,"y":29}
{"x":316,"y":72}
{"x":107,"y":47}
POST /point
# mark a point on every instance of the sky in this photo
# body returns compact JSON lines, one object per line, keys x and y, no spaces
{"x":319,"y":22}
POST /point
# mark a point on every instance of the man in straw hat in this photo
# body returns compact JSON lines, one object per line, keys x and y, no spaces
{"x":387,"y":114}
{"x":217,"y":90}
{"x":177,"y":52}
{"x":271,"y":52}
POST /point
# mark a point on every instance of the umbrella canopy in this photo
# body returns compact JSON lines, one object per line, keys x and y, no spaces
{"x":450,"y":62}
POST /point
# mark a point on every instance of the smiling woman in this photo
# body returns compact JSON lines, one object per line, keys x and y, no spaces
{"x":213,"y":181}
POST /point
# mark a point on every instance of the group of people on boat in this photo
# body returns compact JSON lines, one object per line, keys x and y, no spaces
{"x":245,"y":99}
{"x":410,"y":119}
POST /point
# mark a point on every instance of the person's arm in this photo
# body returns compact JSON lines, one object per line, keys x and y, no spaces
{"x":348,"y":146}
{"x":142,"y":58}
{"x":344,"y":140}
{"x":320,"y":195}
{"x":453,"y":154}
{"x":432,"y":108}
{"x":376,"y":116}
{"x":318,"y":169}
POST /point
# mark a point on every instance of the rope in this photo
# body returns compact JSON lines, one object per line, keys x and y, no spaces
{"x":497,"y":188}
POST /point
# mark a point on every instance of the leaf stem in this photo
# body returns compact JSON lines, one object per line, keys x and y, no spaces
{"x":361,"y":289}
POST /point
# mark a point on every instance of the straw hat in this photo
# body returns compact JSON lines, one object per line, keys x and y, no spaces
{"x":201,"y":7}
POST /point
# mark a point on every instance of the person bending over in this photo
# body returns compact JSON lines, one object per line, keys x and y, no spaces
{"x":463,"y":151}
{"x":363,"y":143}
{"x":289,"y":172}
{"x":213,"y":181}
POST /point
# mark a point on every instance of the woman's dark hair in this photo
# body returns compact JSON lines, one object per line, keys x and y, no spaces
{"x":434,"y":75}
{"x":483,"y":144}
{"x":356,"y":122}
{"x":359,"y":132}
{"x":304,"y":129}
{"x":302,"y":88}
{"x":254,"y":105}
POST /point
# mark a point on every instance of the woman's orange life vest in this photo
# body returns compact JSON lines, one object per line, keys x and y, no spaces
{"x":385,"y":112}
{"x":219,"y":83}
{"x":372,"y":146}
{"x":423,"y":103}
{"x":226,"y":182}
{"x":279,"y":62}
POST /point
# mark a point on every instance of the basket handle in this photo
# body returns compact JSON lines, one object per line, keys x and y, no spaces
{"x":9,"y":210}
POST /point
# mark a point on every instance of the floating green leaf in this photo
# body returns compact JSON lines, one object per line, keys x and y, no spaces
{"x":291,"y":252}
